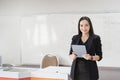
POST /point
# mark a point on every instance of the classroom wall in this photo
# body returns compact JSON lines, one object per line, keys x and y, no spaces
{"x":51,"y":34}
{"x":10,"y":39}
{"x":20,"y":30}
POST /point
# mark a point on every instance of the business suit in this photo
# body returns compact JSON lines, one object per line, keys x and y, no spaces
{"x":93,"y":46}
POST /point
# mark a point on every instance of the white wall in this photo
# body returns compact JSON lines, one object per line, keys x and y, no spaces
{"x":51,"y":34}
{"x":20,"y":22}
{"x":10,"y":39}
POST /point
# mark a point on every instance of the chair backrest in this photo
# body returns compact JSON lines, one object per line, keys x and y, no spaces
{"x":49,"y":60}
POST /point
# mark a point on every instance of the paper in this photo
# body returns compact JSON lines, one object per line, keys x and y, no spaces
{"x":79,"y":50}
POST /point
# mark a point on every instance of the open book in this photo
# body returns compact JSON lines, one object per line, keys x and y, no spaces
{"x":79,"y":50}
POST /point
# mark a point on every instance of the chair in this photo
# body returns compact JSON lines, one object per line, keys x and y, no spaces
{"x":49,"y":60}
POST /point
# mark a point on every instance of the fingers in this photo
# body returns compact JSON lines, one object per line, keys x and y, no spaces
{"x":87,"y":56}
{"x":96,"y":58}
{"x":73,"y":56}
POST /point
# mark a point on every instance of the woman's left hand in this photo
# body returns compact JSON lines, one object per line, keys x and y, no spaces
{"x":95,"y":58}
{"x":87,"y":56}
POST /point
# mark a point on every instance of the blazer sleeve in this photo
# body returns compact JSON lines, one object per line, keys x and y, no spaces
{"x":98,"y":47}
{"x":72,"y":42}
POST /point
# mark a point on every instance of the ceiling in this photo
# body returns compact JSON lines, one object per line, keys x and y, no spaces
{"x":28,"y":7}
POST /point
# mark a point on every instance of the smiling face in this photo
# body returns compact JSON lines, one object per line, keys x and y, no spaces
{"x":84,"y":27}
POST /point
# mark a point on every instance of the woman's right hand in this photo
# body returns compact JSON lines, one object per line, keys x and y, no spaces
{"x":73,"y":56}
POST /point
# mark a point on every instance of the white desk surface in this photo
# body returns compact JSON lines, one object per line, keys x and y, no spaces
{"x":52,"y":72}
{"x":49,"y":72}
{"x":16,"y":72}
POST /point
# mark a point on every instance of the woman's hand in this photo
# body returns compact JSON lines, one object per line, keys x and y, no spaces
{"x":73,"y":56}
{"x":95,"y":58}
{"x":87,"y":56}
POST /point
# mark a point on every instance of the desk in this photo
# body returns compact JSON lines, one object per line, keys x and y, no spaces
{"x":51,"y":73}
{"x":15,"y":74}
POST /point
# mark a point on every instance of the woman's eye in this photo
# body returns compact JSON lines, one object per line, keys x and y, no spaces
{"x":81,"y":25}
{"x":86,"y":25}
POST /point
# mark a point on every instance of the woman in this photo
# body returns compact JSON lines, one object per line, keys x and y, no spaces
{"x":85,"y":67}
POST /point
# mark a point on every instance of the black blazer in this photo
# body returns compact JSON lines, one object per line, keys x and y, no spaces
{"x":94,"y":47}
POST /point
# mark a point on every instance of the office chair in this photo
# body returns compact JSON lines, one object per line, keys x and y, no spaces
{"x":49,"y":60}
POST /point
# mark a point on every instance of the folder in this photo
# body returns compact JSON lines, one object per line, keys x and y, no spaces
{"x":79,"y":50}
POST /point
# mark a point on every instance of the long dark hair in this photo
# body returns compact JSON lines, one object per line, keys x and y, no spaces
{"x":91,"y":31}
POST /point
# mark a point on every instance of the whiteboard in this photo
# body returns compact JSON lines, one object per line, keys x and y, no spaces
{"x":52,"y":33}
